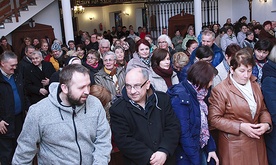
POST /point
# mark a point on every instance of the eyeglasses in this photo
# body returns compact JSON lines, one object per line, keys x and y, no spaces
{"x":162,"y":42}
{"x":136,"y":87}
{"x":110,"y":60}
{"x":91,"y":58}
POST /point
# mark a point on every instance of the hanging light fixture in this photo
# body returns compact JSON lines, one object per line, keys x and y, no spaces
{"x":78,"y":9}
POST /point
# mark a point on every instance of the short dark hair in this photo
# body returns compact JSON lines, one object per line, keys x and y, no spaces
{"x":190,"y":42}
{"x":201,"y":73}
{"x":67,"y":72}
{"x":204,"y":52}
{"x":157,"y":56}
{"x":232,"y":49}
{"x":142,"y":41}
{"x":242,"y":57}
{"x":263,"y":44}
{"x":71,"y":41}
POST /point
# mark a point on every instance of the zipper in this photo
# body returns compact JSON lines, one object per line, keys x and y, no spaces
{"x":76,"y":137}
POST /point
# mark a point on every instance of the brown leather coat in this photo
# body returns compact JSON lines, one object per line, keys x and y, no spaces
{"x":228,"y":109}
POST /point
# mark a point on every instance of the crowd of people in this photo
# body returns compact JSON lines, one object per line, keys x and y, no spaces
{"x":205,"y":99}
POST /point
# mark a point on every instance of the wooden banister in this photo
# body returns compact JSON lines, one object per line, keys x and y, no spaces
{"x":7,"y":11}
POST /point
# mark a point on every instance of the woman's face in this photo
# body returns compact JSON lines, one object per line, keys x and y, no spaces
{"x":36,"y":59}
{"x":109,"y":62}
{"x":80,"y":52}
{"x":192,"y":47}
{"x":260,"y":54}
{"x":91,"y":59}
{"x":143,"y":51}
{"x":148,"y":39}
{"x":163,"y":44}
{"x":165,"y":63}
{"x":27,"y":42}
{"x":35,"y":41}
{"x":250,"y":36}
{"x":229,"y":32}
{"x":119,"y":54}
{"x":267,"y":27}
{"x":44,"y":46}
{"x":191,"y":32}
{"x":125,"y":45}
{"x":241,"y":74}
{"x":87,"y":41}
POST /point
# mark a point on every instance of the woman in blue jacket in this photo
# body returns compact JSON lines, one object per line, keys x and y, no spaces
{"x":196,"y":146}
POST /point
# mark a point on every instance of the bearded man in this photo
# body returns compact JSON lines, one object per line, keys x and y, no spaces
{"x":67,"y":127}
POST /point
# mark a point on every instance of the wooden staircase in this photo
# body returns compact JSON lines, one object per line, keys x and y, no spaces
{"x":14,"y":13}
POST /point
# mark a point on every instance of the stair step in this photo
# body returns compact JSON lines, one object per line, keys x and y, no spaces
{"x":32,"y":3}
{"x":25,"y":8}
{"x":13,"y":15}
{"x":2,"y":26}
{"x":8,"y":20}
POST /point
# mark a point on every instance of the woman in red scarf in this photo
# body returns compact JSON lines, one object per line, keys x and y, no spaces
{"x":162,"y":76}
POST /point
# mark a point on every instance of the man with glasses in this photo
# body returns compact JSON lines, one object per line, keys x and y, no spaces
{"x":144,"y":127}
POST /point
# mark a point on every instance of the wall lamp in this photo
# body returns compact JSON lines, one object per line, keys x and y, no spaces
{"x":125,"y":13}
{"x":263,"y":0}
{"x":91,"y":18}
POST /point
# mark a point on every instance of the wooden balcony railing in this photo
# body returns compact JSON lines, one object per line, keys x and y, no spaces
{"x":12,"y":8}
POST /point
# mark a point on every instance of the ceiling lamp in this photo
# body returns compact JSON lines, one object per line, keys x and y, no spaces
{"x":78,"y":9}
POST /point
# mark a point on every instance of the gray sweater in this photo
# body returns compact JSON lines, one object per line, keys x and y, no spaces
{"x":64,"y":138}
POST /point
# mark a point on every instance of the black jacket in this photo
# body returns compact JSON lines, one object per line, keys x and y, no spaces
{"x":7,"y":111}
{"x":33,"y":77}
{"x":138,"y":135}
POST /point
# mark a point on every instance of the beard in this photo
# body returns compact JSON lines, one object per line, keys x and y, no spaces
{"x":75,"y":101}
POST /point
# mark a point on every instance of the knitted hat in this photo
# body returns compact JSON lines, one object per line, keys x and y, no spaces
{"x":266,"y":23}
{"x":56,"y":46}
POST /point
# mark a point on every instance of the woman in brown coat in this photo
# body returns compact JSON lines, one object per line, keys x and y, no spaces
{"x":238,"y":111}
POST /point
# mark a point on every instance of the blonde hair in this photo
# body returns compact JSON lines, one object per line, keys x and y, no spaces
{"x":181,"y":58}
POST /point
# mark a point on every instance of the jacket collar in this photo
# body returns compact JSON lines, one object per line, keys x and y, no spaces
{"x":234,"y":89}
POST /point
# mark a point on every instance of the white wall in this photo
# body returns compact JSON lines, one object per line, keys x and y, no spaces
{"x":50,"y":16}
{"x":105,"y":16}
{"x":261,"y":11}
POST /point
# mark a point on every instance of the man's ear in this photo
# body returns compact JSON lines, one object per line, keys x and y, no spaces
{"x":64,"y":88}
{"x":148,"y":84}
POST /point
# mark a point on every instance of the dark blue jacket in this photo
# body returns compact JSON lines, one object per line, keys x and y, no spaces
{"x":186,"y":107}
{"x":7,"y":108}
{"x":182,"y":74}
{"x":217,"y":58}
{"x":269,"y":92}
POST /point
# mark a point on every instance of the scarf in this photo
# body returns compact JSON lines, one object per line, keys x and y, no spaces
{"x":204,"y":129}
{"x":93,"y":66}
{"x":113,"y":76}
{"x":166,"y":74}
{"x":146,"y":61}
{"x":247,"y":93}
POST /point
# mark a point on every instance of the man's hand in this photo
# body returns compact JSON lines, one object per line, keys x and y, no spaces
{"x":3,"y":128}
{"x":45,"y":82}
{"x":158,"y":158}
{"x":43,"y":91}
